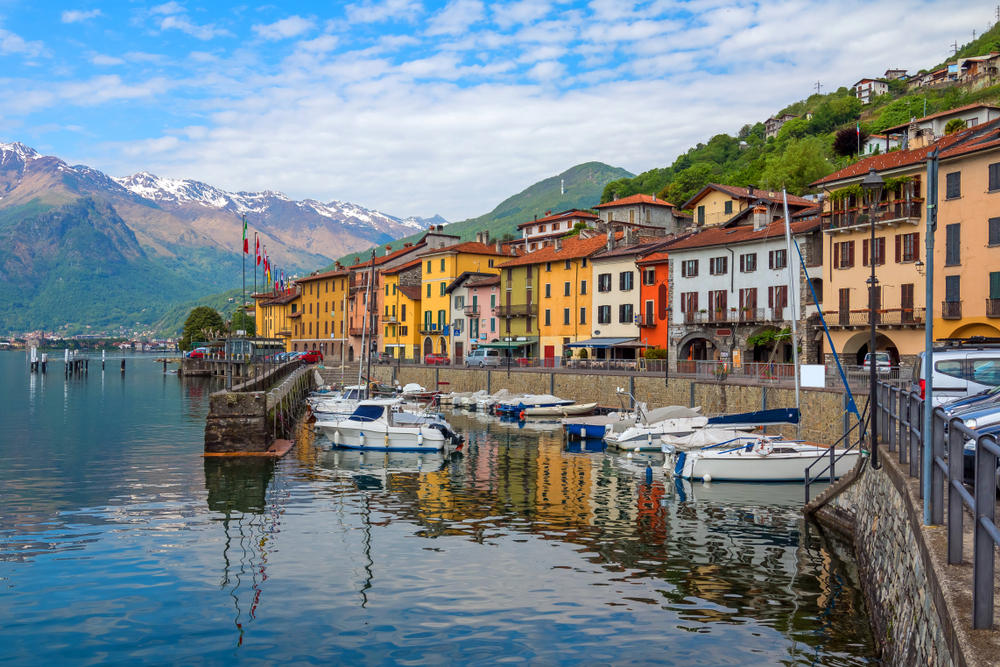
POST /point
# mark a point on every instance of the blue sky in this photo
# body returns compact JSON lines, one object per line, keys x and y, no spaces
{"x":417,"y":108}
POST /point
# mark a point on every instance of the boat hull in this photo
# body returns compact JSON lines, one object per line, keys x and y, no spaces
{"x":745,"y":466}
{"x":376,"y":436}
{"x":561,"y":410}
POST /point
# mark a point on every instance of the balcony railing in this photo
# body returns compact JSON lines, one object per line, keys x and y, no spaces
{"x":891,"y":317}
{"x":355,"y":331}
{"x":518,"y":310}
{"x":951,"y":310}
{"x":884,"y":213}
{"x":992,"y":307}
{"x":472,"y":311}
{"x":389,"y":319}
{"x":430,"y":328}
{"x":645,"y":321}
{"x":776,"y":314}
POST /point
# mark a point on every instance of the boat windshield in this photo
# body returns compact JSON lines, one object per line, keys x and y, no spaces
{"x":367,"y":413}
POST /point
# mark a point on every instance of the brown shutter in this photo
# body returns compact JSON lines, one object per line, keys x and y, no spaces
{"x":916,"y":246}
{"x":899,"y":248}
{"x":850,"y":252}
{"x":864,"y":252}
{"x":836,"y":255}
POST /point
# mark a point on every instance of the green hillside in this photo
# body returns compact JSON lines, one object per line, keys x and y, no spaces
{"x":172,"y":322}
{"x":583,"y":186}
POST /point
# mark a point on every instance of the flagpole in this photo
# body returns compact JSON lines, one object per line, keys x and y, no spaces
{"x":243,"y":304}
{"x":256,"y":260}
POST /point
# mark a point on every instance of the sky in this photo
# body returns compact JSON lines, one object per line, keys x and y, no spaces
{"x":417,"y":108}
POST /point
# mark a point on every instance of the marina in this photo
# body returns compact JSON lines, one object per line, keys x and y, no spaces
{"x":518,"y":548}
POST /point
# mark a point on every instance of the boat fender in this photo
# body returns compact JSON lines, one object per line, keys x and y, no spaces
{"x":707,"y":478}
{"x":361,"y":435}
{"x":520,"y":415}
{"x":649,"y":473}
{"x":679,"y":463}
{"x":336,"y":437}
{"x":420,"y":438}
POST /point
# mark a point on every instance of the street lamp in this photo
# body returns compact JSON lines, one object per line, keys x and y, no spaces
{"x":873,"y":184}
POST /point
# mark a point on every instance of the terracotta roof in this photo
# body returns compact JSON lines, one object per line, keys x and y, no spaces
{"x":654,"y":258}
{"x":572,"y":248}
{"x":403,"y":267}
{"x":899,"y":159}
{"x":389,"y":256}
{"x":320,"y":276}
{"x":281,"y":299}
{"x":631,"y":200}
{"x":645,"y":244}
{"x":939,"y":114}
{"x":466,"y":275}
{"x":980,"y":141}
{"x":725,"y":236}
{"x":411,"y":292}
{"x":484,"y":282}
{"x":747,"y":193}
{"x":573,"y":213}
{"x":468,"y":247}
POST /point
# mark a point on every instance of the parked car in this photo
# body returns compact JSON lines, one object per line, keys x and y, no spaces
{"x":436,"y":358}
{"x":883,"y":363}
{"x":483,"y":356}
{"x":311,"y":357}
{"x":384,"y":358}
{"x":199,"y":353}
{"x":959,"y":371}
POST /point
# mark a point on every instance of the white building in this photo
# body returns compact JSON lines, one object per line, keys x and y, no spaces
{"x":866,"y":89}
{"x":643,"y":211}
{"x":544,"y":231}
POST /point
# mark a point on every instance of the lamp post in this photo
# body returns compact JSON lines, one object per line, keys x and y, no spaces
{"x":873,"y":184}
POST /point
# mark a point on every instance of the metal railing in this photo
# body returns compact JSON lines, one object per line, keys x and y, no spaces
{"x":901,"y":424}
{"x":861,"y":317}
{"x":830,"y":462}
{"x":472,"y":311}
{"x":951,"y":310}
{"x":517,"y":310}
{"x":992,"y":307}
{"x":895,"y":211}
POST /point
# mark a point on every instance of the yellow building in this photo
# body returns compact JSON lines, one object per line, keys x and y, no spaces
{"x":562,"y":291}
{"x":401,"y":310}
{"x":274,"y":314}
{"x":321,"y":313}
{"x":440,"y":267}
{"x":714,"y":204}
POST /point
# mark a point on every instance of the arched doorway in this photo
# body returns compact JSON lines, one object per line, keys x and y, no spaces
{"x":857,"y":345}
{"x":770,"y":344}
{"x":350,"y":353}
{"x":691,"y":351}
{"x":428,"y":346}
{"x":443,"y":346}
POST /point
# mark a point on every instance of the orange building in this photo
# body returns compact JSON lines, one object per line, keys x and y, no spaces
{"x":654,"y":290}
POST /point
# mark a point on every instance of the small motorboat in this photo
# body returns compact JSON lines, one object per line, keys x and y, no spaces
{"x":382,"y":424}
{"x":560,"y":410}
{"x":644,"y":433}
{"x":754,"y":458}
{"x":517,"y":404}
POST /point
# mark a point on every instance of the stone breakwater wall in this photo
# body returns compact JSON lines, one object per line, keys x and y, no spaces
{"x":822,"y":409}
{"x":875,"y":509}
{"x":249,"y":421}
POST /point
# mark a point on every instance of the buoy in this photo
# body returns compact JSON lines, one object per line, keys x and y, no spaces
{"x":336,"y":437}
{"x":361,"y":436}
{"x":707,"y":478}
{"x":649,"y":440}
{"x":629,"y":456}
{"x":520,"y":415}
{"x":583,"y":432}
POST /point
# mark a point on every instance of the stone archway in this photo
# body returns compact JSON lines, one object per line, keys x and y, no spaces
{"x":443,"y":346}
{"x":856,"y":347}
{"x":428,"y":346}
{"x":692,"y":349}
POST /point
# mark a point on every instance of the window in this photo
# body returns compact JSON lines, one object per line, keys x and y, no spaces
{"x":548,"y":290}
{"x":624,"y":313}
{"x":428,"y":289}
{"x":428,"y":266}
{"x":459,"y":302}
{"x":748,"y":302}
{"x":879,"y":252}
{"x":566,"y":288}
{"x":777,"y":299}
{"x":548,"y":317}
{"x":548,"y":266}
{"x":689,"y":268}
{"x":748,"y":263}
{"x":583,"y":315}
{"x":493,"y":301}
{"x":583,"y":263}
{"x":583,"y":287}
{"x":718,"y":266}
{"x":717,"y":303}
{"x":566,"y":265}
{"x":402,"y":312}
{"x":701,"y":215}
{"x":689,"y":302}
{"x":443,"y":288}
{"x":728,"y":207}
{"x":995,"y":284}
{"x":906,"y":247}
{"x":953,"y":185}
{"x":541,"y":228}
{"x":994,"y":231}
{"x":994,"y":176}
{"x":604,"y":314}
{"x":648,"y":276}
{"x":491,"y":263}
{"x":459,"y":325}
{"x":625,"y":279}
{"x":778,"y":259}
{"x":952,"y":289}
{"x":604,"y":282}
{"x":565,"y":315}
{"x":387,"y":290}
{"x":442,"y":265}
{"x":442,"y":318}
{"x":952,"y":245}
{"x":394,"y":288}
{"x":493,"y":324}
{"x":843,"y":255}
{"x":649,"y":313}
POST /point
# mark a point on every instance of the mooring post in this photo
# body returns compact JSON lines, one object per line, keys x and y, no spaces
{"x":123,"y":367}
{"x":102,"y":359}
{"x":164,"y":365}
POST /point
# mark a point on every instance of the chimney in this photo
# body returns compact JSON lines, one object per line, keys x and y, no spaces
{"x":750,"y":191}
{"x":611,"y":238}
{"x":654,"y":197}
{"x":388,"y":247}
{"x":407,"y":245}
{"x":497,"y":242}
{"x":759,"y":217}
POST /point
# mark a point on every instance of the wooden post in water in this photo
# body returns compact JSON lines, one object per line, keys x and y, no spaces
{"x":123,"y":367}
{"x":102,"y":359}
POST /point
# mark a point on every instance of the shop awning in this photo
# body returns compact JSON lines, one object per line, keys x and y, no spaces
{"x":632,"y":342}
{"x":509,"y":344}
{"x":604,"y":342}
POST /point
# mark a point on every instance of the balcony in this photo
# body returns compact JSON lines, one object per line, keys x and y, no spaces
{"x":518,"y":310}
{"x":471,"y":311}
{"x":885,"y":317}
{"x":430,"y":328}
{"x":389,"y":319}
{"x":355,"y":331}
{"x":885,"y":214}
{"x":992,"y":307}
{"x":646,"y":322}
{"x":951,"y":310}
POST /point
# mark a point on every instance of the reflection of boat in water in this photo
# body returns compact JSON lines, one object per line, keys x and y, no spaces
{"x":363,"y":464}
{"x":585,"y":446}
{"x":752,"y":458}
{"x":380,"y":424}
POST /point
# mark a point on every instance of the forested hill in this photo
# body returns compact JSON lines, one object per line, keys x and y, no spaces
{"x":804,"y":148}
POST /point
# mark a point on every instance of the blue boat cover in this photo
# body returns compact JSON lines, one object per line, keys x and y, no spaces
{"x":367,"y":413}
{"x":760,"y":417}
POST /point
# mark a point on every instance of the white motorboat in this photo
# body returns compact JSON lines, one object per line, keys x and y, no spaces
{"x":754,"y":458}
{"x":515,"y":405}
{"x":644,"y":433}
{"x":381,"y":424}
{"x":560,"y":410}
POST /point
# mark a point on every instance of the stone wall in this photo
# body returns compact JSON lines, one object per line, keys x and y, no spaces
{"x":822,"y":409}
{"x":874,"y":509}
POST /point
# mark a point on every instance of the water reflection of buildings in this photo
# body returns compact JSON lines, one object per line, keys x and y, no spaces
{"x":249,"y":506}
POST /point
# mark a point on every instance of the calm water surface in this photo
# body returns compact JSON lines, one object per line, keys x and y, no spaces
{"x":119,"y":543}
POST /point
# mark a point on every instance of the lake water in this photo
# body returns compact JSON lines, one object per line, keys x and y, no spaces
{"x":120,"y":543}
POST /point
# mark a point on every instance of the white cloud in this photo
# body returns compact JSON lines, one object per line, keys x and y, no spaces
{"x":292,"y":26}
{"x":516,"y":13}
{"x":185,"y":25}
{"x":11,"y":44}
{"x":105,"y":61}
{"x":456,"y":17}
{"x":168,"y":8}
{"x":78,"y":15}
{"x":376,"y":12}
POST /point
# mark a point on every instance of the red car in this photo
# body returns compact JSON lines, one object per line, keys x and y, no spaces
{"x":436,"y":358}
{"x":311,"y":357}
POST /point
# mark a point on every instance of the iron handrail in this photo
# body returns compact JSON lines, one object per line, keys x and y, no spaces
{"x":832,"y":464}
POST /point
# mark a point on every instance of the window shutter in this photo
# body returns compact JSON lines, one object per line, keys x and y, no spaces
{"x":899,"y":249}
{"x":850,"y":253}
{"x":916,"y":246}
{"x":836,"y":255}
{"x":864,"y":252}
{"x":770,"y":296}
{"x":995,"y":284}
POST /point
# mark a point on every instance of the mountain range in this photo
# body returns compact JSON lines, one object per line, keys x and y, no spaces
{"x":79,"y":248}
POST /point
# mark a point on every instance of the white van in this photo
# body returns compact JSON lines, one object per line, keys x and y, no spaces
{"x":959,"y":371}
{"x":483,"y":356}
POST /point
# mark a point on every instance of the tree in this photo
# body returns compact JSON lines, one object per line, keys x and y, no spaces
{"x":802,"y":162}
{"x":201,"y":324}
{"x":954,"y":125}
{"x":242,"y":321}
{"x":847,"y":141}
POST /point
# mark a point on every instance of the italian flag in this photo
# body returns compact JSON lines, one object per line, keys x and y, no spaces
{"x":246,"y":242}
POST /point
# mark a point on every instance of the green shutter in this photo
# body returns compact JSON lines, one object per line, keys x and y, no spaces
{"x":995,"y":284}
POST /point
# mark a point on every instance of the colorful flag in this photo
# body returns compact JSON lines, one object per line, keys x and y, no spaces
{"x":257,"y":242}
{"x":246,"y":242}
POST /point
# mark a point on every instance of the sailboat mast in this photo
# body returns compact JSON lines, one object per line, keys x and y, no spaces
{"x":793,"y":297}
